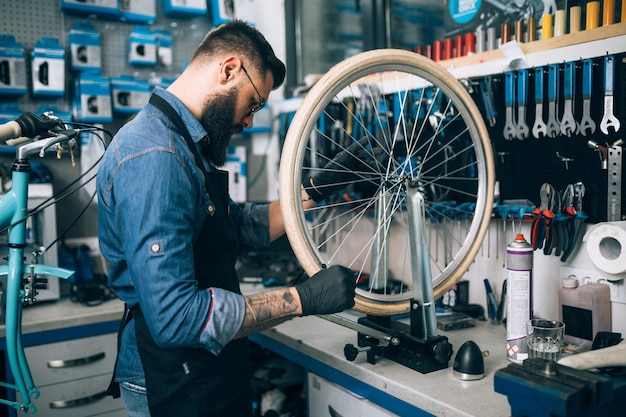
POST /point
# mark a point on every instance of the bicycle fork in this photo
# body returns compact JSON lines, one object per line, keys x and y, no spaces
{"x":14,"y":211}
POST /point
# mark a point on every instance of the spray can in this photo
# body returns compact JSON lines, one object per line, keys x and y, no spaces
{"x":519,"y":303}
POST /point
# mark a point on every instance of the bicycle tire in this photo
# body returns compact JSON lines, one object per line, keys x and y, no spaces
{"x":398,"y":76}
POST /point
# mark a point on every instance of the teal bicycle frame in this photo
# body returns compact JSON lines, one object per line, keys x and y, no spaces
{"x":22,"y":281}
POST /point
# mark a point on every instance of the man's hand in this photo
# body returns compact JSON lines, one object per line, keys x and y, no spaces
{"x":360,"y":159}
{"x":329,"y":291}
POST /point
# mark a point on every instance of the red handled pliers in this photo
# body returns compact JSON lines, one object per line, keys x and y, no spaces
{"x":541,"y":229}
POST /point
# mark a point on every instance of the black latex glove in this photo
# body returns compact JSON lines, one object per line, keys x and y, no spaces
{"x":359,"y":160}
{"x":329,"y":291}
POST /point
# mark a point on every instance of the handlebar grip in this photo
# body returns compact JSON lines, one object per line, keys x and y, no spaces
{"x":10,"y":130}
{"x":17,"y":141}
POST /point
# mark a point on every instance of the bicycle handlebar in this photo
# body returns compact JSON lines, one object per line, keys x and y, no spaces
{"x":48,"y":130}
{"x":50,"y":143}
{"x":30,"y":125}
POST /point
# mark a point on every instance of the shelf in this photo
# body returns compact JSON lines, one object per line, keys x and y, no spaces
{"x":585,"y":44}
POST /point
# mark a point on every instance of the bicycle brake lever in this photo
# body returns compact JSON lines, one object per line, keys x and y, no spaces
{"x":60,"y":136}
{"x":42,"y":145}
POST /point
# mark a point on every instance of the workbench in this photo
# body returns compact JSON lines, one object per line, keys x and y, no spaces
{"x":317,"y":345}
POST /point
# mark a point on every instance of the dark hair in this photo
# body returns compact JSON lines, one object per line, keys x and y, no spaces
{"x":241,"y":38}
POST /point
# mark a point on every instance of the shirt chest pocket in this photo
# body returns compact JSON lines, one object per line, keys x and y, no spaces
{"x":209,"y":207}
{"x":213,"y":211}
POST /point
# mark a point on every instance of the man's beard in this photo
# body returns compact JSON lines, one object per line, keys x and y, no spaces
{"x":217,"y":119}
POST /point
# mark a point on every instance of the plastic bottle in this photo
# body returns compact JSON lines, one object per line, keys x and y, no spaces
{"x":519,"y":303}
{"x":585,"y":310}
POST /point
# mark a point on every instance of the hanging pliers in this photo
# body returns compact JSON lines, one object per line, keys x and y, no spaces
{"x":576,"y":228}
{"x":541,"y":228}
{"x":559,"y":227}
{"x":566,"y":210}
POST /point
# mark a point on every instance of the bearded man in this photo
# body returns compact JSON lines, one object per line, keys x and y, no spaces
{"x":171,"y":235}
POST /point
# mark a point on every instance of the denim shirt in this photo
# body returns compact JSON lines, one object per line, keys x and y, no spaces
{"x":151,"y":206}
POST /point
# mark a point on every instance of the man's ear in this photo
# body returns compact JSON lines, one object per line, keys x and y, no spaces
{"x":228,"y":68}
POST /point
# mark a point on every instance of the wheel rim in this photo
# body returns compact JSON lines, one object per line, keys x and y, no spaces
{"x":436,"y":140}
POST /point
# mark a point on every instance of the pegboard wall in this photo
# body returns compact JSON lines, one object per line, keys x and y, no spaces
{"x":522,"y":166}
{"x":31,"y":20}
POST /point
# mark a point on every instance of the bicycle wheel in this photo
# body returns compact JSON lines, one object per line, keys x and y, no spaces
{"x":434,"y":139}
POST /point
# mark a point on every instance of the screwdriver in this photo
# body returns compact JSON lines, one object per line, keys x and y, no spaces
{"x":592,"y":15}
{"x":519,"y":31}
{"x":532,"y":29}
{"x":546,"y":26}
{"x":559,"y":23}
{"x":505,"y":33}
{"x":608,"y":12}
{"x":574,"y":19}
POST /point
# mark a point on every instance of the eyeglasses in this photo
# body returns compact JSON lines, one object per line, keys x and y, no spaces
{"x":261,"y":99}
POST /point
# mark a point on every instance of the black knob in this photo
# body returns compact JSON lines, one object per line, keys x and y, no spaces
{"x":443,"y":352}
{"x":350,"y":352}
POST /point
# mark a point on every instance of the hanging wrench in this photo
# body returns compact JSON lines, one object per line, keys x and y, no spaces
{"x":522,"y":93}
{"x":587,"y":123}
{"x":568,"y":124}
{"x":509,"y":94}
{"x":553,"y":87}
{"x":539,"y":128}
{"x":609,"y":119}
{"x":486,"y":91}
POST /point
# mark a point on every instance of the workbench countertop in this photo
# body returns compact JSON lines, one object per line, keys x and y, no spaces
{"x":64,"y":313}
{"x":438,"y":393}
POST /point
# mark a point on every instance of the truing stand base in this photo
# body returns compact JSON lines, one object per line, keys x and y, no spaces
{"x":421,"y":354}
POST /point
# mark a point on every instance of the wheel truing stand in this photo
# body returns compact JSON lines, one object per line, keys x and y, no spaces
{"x":416,"y":345}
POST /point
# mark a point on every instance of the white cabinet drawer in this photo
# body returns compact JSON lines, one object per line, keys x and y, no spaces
{"x":327,"y":398}
{"x":80,"y":398}
{"x":73,"y":359}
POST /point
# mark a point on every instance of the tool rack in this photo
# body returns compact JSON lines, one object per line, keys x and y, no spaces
{"x":524,"y":164}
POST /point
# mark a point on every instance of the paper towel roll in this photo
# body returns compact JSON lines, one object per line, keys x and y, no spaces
{"x":606,"y":247}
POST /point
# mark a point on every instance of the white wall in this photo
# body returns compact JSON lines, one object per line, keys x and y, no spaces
{"x":491,"y":263}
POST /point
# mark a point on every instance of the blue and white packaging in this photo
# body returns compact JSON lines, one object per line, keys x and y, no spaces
{"x":12,"y":66}
{"x":85,"y":47}
{"x":129,"y":95}
{"x":138,"y":11}
{"x":224,"y":11}
{"x":142,"y":48}
{"x":164,"y":47}
{"x":184,"y":8}
{"x":92,"y":98}
{"x":238,"y":173}
{"x":101,"y":8}
{"x":48,"y":68}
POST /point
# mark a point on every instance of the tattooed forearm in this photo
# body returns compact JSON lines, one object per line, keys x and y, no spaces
{"x":267,"y":309}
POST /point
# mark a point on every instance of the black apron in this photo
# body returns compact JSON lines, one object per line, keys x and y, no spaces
{"x":192,"y":382}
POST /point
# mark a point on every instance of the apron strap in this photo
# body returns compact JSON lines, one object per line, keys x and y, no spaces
{"x":114,"y":387}
{"x":161,"y":104}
